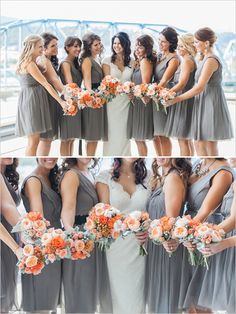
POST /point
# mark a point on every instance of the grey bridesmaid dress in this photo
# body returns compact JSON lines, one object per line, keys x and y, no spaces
{"x":210,"y":118}
{"x":140,"y":118}
{"x":178,"y":124}
{"x":8,"y":300}
{"x":85,"y":282}
{"x":218,"y":288}
{"x":70,"y":126}
{"x":42,"y":292}
{"x":160,"y":117}
{"x":192,"y":276}
{"x":94,"y":121}
{"x":33,"y":115}
{"x":162,"y":283}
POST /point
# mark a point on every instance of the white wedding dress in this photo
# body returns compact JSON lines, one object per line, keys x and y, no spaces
{"x":126,"y":267}
{"x":117,"y":114}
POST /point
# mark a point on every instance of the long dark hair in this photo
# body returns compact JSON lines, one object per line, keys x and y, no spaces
{"x":53,"y":177}
{"x":12,"y":175}
{"x":148,"y":43}
{"x":171,"y":36}
{"x":181,"y":165}
{"x":69,"y":42}
{"x":139,"y":169}
{"x":126,"y":44}
{"x":88,"y":40}
{"x":47,"y":38}
{"x":69,"y":163}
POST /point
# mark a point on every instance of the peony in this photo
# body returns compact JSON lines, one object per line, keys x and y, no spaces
{"x":156,"y":233}
{"x":133,"y":224}
{"x":180,"y":232}
{"x":28,"y":250}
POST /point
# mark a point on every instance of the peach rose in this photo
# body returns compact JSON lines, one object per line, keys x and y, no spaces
{"x":62,"y":253}
{"x":156,"y":233}
{"x":79,"y":245}
{"x":46,"y":238}
{"x":28,"y":250}
{"x":51,"y":257}
{"x":180,"y":232}
{"x":26,"y":224}
{"x":133,"y":224}
{"x":89,"y":225}
{"x":31,"y":261}
{"x":39,"y":225}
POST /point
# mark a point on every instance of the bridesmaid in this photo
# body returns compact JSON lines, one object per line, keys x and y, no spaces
{"x":210,"y":180}
{"x":167,"y":64}
{"x":178,"y":122}
{"x":41,"y":293}
{"x":125,"y":187}
{"x":70,"y":127}
{"x":218,"y":288}
{"x":94,"y":121}
{"x":210,"y":119}
{"x":10,"y":199}
{"x":119,"y":65}
{"x":85,"y":281}
{"x":140,"y":126}
{"x":50,"y":62}
{"x":168,"y":196}
{"x":33,"y":116}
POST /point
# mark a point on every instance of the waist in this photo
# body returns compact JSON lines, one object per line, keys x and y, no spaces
{"x":80,"y":220}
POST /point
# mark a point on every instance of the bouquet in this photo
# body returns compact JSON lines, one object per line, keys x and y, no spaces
{"x":159,"y":94}
{"x":32,"y":226}
{"x":140,"y":90}
{"x":79,"y":243}
{"x":125,"y":89}
{"x":136,"y":221}
{"x":206,"y":233}
{"x":71,"y":93}
{"x":104,"y":224}
{"x":160,"y":230}
{"x":32,"y":260}
{"x":183,"y":230}
{"x":108,"y":87}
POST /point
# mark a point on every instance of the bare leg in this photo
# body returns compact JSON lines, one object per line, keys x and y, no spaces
{"x":142,"y":148}
{"x":201,"y":148}
{"x":184,"y":146}
{"x":33,"y":142}
{"x":191,"y":147}
{"x":91,"y":148}
{"x":44,"y":147}
{"x":65,"y":148}
{"x":71,"y":147}
{"x":212,"y":148}
{"x":157,"y":145}
{"x":166,"y":146}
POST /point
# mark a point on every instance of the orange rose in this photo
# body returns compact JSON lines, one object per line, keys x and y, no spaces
{"x":58,"y":242}
{"x":34,"y":216}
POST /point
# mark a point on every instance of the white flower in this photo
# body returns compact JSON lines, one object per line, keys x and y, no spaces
{"x":136,"y":214}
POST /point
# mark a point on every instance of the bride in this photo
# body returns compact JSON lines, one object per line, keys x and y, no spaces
{"x":118,"y":65}
{"x":125,"y":187}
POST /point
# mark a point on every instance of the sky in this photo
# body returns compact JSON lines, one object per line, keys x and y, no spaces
{"x":188,"y":14}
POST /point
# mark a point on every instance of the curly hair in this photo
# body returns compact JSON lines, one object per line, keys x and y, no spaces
{"x":12,"y":175}
{"x":148,"y":43}
{"x":53,"y":177}
{"x":88,"y":40}
{"x":69,"y":163}
{"x":125,"y":44}
{"x":171,"y":36}
{"x":139,"y":169}
{"x":181,"y":165}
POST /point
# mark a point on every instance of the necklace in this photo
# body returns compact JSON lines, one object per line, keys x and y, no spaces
{"x":201,"y":172}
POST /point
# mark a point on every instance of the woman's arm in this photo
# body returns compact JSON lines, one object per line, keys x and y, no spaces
{"x":106,"y":69}
{"x":187,"y":66}
{"x":52,"y":77}
{"x":86,"y":71}
{"x":66,"y":70}
{"x":38,"y":76}
{"x":10,"y":242}
{"x":146,"y":69}
{"x":103,"y":192}
{"x":169,"y":72}
{"x":69,"y":187}
{"x":214,"y":248}
{"x":33,"y":189}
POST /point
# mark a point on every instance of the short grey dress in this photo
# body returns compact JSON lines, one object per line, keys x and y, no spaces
{"x":42,"y":292}
{"x":210,"y":118}
{"x":218,"y":288}
{"x":70,"y":126}
{"x":140,"y":118}
{"x":179,"y":117}
{"x":8,"y":263}
{"x":192,"y":276}
{"x":162,"y":283}
{"x":159,"y":117}
{"x":94,"y":121}
{"x":33,"y":114}
{"x":86,"y":281}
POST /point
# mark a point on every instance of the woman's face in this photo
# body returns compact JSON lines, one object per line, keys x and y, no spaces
{"x":6,"y":161}
{"x":140,"y":50}
{"x":38,"y":50}
{"x":163,"y":162}
{"x":164,"y":45}
{"x":117,"y":46}
{"x":181,"y":50}
{"x":96,"y":47}
{"x":74,"y":50}
{"x":84,"y":161}
{"x":200,"y":45}
{"x":52,"y":48}
{"x":48,"y":163}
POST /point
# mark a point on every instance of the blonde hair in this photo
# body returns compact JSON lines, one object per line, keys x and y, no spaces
{"x":187,"y":41}
{"x":26,"y":55}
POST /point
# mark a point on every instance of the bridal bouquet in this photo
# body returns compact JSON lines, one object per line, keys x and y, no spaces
{"x":160,"y":230}
{"x":183,"y":230}
{"x":108,"y":87}
{"x":71,"y":92}
{"x":137,"y":221}
{"x":32,"y":260}
{"x":32,"y":226}
{"x":104,"y":224}
{"x":207,"y":233}
{"x":79,"y":243}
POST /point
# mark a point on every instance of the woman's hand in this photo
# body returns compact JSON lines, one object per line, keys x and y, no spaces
{"x":212,"y":249}
{"x":190,"y":246}
{"x":145,"y":99}
{"x":171,"y":245}
{"x":141,"y":237}
{"x":130,"y":96}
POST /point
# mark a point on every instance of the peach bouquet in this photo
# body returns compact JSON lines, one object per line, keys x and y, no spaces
{"x":32,"y":260}
{"x":108,"y":87}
